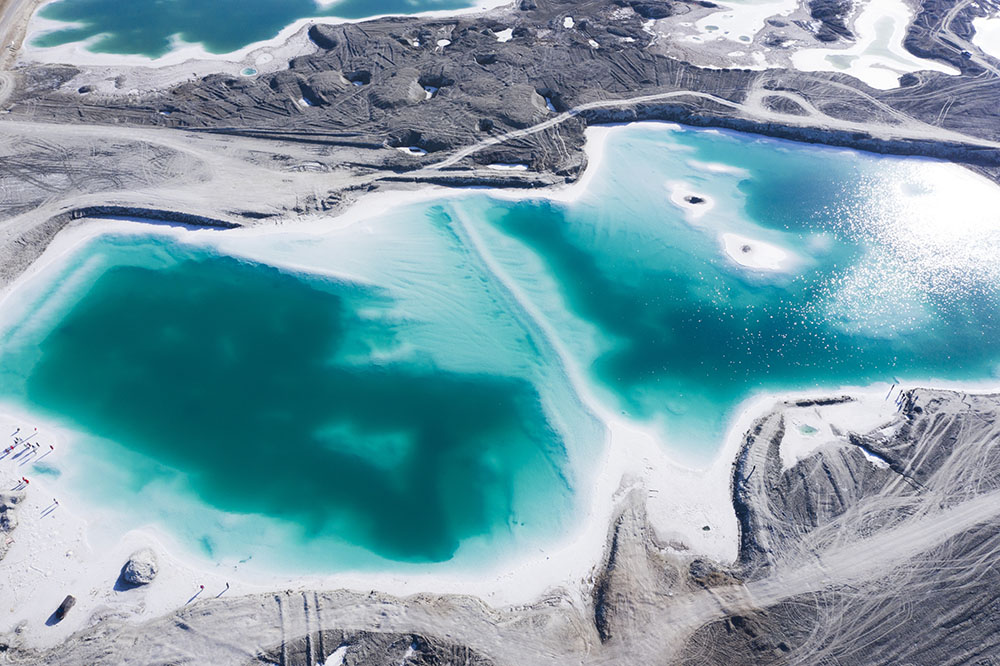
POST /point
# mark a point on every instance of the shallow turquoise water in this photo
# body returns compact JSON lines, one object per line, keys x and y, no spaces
{"x":147,"y":27}
{"x":423,"y":386}
{"x":896,"y":274}
{"x":307,"y":402}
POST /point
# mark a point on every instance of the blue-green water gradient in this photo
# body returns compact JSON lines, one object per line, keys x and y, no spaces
{"x":147,"y":27}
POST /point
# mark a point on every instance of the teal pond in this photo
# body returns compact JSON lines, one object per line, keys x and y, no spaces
{"x":434,"y":383}
{"x":152,"y":28}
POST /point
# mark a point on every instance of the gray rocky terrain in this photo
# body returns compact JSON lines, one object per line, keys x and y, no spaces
{"x":877,"y":548}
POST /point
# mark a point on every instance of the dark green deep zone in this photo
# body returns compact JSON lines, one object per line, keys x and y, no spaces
{"x":233,"y":374}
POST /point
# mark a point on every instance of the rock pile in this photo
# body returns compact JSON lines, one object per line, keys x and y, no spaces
{"x":141,"y":567}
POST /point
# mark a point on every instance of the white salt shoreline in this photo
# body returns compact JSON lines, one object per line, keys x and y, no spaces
{"x":682,"y":498}
{"x":569,"y":561}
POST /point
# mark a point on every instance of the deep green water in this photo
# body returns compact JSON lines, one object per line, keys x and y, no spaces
{"x":273,"y":393}
{"x":424,"y":386}
{"x":147,"y":27}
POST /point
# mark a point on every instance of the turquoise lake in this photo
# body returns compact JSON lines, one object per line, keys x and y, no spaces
{"x":148,"y":27}
{"x":893,"y":273}
{"x":429,"y":385}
